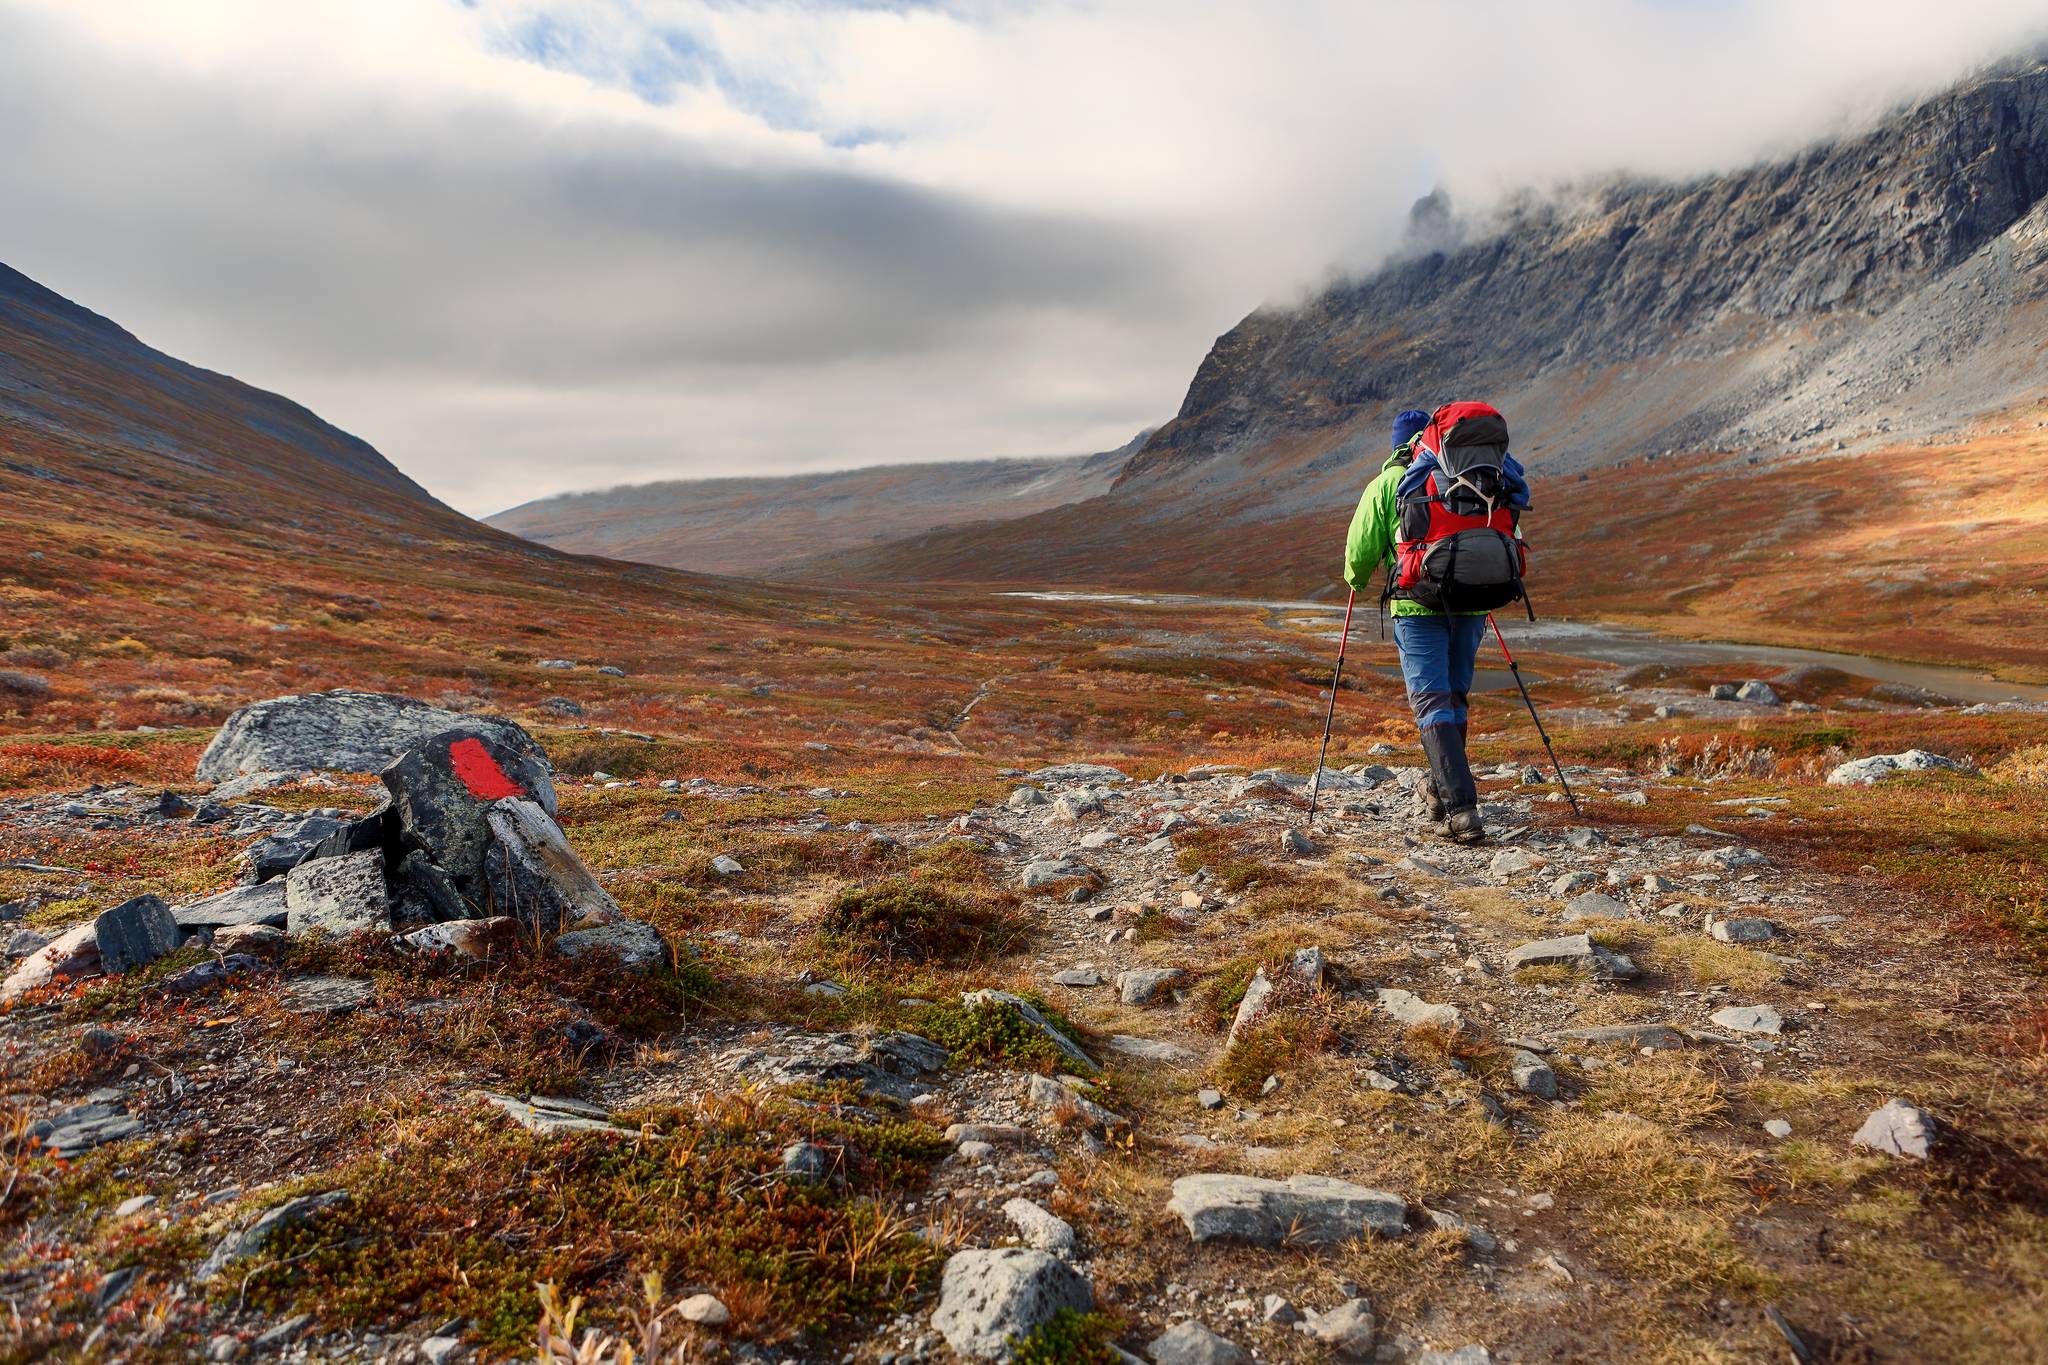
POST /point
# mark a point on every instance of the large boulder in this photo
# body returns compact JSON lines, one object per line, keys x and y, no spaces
{"x":988,"y":1296}
{"x":443,"y":786}
{"x":1861,"y":772}
{"x":72,"y":954}
{"x":1302,"y":1210}
{"x":340,"y":731}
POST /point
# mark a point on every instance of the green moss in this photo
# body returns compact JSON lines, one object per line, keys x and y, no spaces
{"x":998,"y":1034}
{"x":1068,"y":1338}
{"x":1222,"y":991}
{"x":911,"y":919}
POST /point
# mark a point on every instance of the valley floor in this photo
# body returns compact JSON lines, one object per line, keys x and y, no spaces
{"x":1688,"y":1191}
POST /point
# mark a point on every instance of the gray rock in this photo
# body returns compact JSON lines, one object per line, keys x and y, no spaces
{"x":75,"y":1131}
{"x":1571,"y":883}
{"x":1742,"y":929}
{"x":1749,"y":1019}
{"x":328,"y":994}
{"x":1729,"y":859}
{"x":1347,"y":1330}
{"x":282,"y":1332}
{"x":1039,"y":1228}
{"x":1051,"y":1097}
{"x":909,"y":1054}
{"x":555,"y":1114}
{"x":987,"y":1296}
{"x":1778,"y":1128}
{"x":340,"y":731}
{"x":1046,"y":871}
{"x":1594,"y":905}
{"x":1145,"y":985}
{"x":1189,"y":1343}
{"x":257,"y":1235}
{"x":1722,"y":692}
{"x":992,"y":999}
{"x":1474,"y":1354}
{"x":1877,"y":767}
{"x":263,"y":903}
{"x":135,"y":933}
{"x":1533,"y":1075}
{"x":1295,"y":844}
{"x":1208,"y":1098}
{"x":440,"y":1350}
{"x":1076,"y":806}
{"x":1024,"y":798}
{"x":1302,"y":1210}
{"x":533,"y":874}
{"x":1276,"y":1308}
{"x":1152,"y":1050}
{"x":1574,"y":950}
{"x":1758,"y":691}
{"x":725,"y":865}
{"x":72,"y":954}
{"x":1584,"y":837}
{"x":1510,"y":862}
{"x":1900,"y":1129}
{"x":1411,"y":1010}
{"x":1077,"y":978}
{"x":633,"y":944}
{"x":337,"y":895}
{"x":806,"y":1163}
{"x":706,"y":1310}
{"x":1258,"y":999}
{"x":1476,"y":1237}
{"x":22,"y":942}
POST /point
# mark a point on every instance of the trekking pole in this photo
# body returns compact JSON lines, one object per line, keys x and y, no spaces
{"x":1516,"y":669}
{"x":1315,"y":785}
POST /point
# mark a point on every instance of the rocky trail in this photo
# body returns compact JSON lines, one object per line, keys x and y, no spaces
{"x":1258,"y":1092}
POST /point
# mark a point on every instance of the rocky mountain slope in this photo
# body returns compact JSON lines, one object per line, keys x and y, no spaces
{"x":71,"y":376}
{"x":1864,"y":292}
{"x":760,"y":525}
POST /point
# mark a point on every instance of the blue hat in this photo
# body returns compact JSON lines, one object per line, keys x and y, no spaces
{"x":1407,"y":424}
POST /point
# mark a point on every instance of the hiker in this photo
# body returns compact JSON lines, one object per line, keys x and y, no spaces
{"x":1444,"y":516}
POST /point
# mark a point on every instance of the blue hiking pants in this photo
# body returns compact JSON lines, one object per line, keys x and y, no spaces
{"x":1436,"y":662}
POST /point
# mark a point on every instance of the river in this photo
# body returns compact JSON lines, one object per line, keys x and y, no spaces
{"x":1620,"y":645}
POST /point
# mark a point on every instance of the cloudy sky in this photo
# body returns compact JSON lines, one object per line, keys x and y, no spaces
{"x":525,"y":246}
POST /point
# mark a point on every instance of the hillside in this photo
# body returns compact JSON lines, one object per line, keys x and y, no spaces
{"x":923,"y":982}
{"x":756,"y":526}
{"x":1860,"y":295}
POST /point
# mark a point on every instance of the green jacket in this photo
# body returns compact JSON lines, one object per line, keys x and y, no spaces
{"x":1374,"y":527}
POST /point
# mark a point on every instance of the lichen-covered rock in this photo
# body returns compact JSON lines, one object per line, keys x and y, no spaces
{"x":257,"y":1235}
{"x":1189,"y":1343}
{"x":1860,"y":772}
{"x":135,"y":933}
{"x":988,"y":1296}
{"x":260,"y":904}
{"x":341,"y":731}
{"x":1308,"y":1210}
{"x":631,"y":944}
{"x":337,"y":895}
{"x":442,"y":788}
{"x":531,"y":872}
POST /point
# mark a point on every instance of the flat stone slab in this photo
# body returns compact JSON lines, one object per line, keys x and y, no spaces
{"x":1410,"y":1009}
{"x":1078,"y":774}
{"x":552,"y":1114}
{"x":328,"y":994}
{"x":340,"y":896}
{"x":1145,"y":985}
{"x":1190,"y":1343}
{"x":263,"y":903}
{"x":1594,"y":905}
{"x":1310,"y":1210}
{"x":1749,"y":1019}
{"x":1578,"y":951}
{"x":1152,"y":1050}
{"x":77,"y":1130}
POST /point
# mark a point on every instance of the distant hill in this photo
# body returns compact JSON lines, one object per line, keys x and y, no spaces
{"x":1864,"y":293}
{"x":756,"y":526}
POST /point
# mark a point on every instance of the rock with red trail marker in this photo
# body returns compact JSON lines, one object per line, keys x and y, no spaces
{"x":349,"y":731}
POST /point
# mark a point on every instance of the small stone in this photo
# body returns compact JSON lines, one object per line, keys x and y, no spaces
{"x":1571,"y":883}
{"x":1533,"y":1075}
{"x":806,"y":1163}
{"x":1758,"y":691}
{"x":706,"y":1310}
{"x":1412,"y":1010}
{"x":1024,"y":798}
{"x":1277,"y":1309}
{"x":972,"y":1150}
{"x":1151,"y":1049}
{"x":1145,"y":985}
{"x":440,"y":1350}
{"x":1900,"y":1129}
{"x":1742,"y":929}
{"x":1040,"y":1229}
{"x":1209,"y":1099}
{"x":1302,"y":1210}
{"x":1778,"y":1128}
{"x":135,"y":933}
{"x":328,"y":994}
{"x":1295,"y":844}
{"x":134,"y":1204}
{"x":1594,"y":905}
{"x":1077,"y":978}
{"x":1749,"y":1019}
{"x":1464,"y":1355}
{"x":1258,"y":998}
{"x":1189,"y":1343}
{"x":725,"y":865}
{"x":1346,"y":1329}
{"x":1510,"y":862}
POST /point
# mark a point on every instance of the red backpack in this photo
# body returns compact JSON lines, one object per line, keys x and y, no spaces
{"x":1460,"y":505}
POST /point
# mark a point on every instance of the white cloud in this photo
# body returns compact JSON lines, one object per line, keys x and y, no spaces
{"x":537,"y":244}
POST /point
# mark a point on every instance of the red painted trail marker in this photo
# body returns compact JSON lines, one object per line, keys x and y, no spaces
{"x":480,"y":772}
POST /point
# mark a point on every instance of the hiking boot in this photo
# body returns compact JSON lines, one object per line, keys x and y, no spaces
{"x":1428,"y":803}
{"x":1465,"y":827}
{"x":1451,"y":775}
